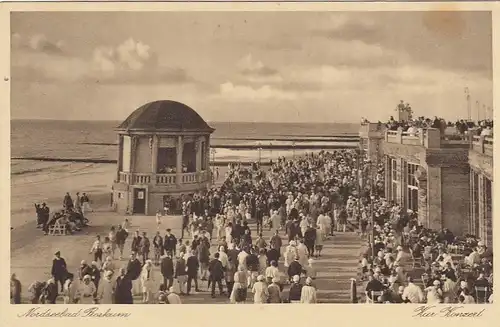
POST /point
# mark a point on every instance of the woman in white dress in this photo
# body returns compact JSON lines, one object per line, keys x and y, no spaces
{"x":434,"y":293}
{"x":147,"y":281}
{"x":290,"y":253}
{"x":106,"y":289}
{"x":86,"y":290}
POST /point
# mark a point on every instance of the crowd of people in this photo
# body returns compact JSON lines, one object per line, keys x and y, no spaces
{"x":407,"y":263}
{"x":303,"y":201}
{"x":71,"y":216}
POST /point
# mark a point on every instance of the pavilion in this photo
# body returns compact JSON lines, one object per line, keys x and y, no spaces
{"x":163,"y":154}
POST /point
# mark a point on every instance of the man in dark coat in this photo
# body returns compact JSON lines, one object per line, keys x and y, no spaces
{"x":95,"y":274}
{"x":121,"y":237}
{"x":170,"y":242}
{"x":136,"y":243}
{"x":192,"y":266}
{"x":123,"y":291}
{"x":59,"y":269}
{"x":167,"y":270}
{"x":216,"y":274}
{"x":295,"y":268}
{"x":310,"y":240}
{"x":144,"y":247}
{"x":134,"y":268}
{"x":50,"y":292}
{"x":15,"y":290}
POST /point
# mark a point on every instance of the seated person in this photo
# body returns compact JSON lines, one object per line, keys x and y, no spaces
{"x":373,"y":285}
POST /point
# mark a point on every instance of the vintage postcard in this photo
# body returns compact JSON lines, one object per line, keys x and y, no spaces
{"x":339,"y":155}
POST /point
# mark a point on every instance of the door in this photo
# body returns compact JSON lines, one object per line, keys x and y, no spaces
{"x":139,"y":201}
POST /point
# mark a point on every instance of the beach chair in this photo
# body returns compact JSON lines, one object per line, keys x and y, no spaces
{"x":481,"y":294}
{"x":417,"y":262}
{"x":58,"y":229}
{"x":374,"y":296}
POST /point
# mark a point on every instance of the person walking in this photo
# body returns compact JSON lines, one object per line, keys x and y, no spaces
{"x":147,"y":281}
{"x":106,"y":289}
{"x":308,"y":293}
{"x":134,"y":268}
{"x":70,"y":293}
{"x":59,"y":269}
{"x":121,"y":237}
{"x":15,"y":289}
{"x":157,"y":248}
{"x":274,"y":291}
{"x":180,"y":272}
{"x":260,"y":291}
{"x":144,"y":247}
{"x":96,"y":249}
{"x":170,"y":242}
{"x":167,"y":270}
{"x":216,"y":271}
{"x":192,"y":267}
{"x":123,"y":288}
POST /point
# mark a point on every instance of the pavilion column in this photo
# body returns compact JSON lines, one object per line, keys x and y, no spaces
{"x":133,"y":153}
{"x":388,"y":178}
{"x":179,"y":150}
{"x":434,"y":197}
{"x":422,"y":202}
{"x":120,"y":157}
{"x":198,"y":155}
{"x":154,"y":157}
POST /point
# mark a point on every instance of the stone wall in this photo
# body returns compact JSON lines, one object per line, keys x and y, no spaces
{"x":455,"y":198}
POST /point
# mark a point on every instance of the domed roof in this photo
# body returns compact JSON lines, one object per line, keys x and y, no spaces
{"x":165,"y":115}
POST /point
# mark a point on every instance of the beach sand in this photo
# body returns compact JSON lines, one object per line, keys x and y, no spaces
{"x":50,"y":186}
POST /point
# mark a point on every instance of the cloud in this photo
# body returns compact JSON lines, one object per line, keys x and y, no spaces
{"x":229,"y":91}
{"x":37,"y":43}
{"x":254,"y":68}
{"x":131,"y":62}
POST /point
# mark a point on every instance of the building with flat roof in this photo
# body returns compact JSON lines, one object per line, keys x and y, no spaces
{"x":163,"y":153}
{"x":445,"y":180}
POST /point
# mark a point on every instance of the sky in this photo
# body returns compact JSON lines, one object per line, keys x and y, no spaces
{"x":250,"y":66}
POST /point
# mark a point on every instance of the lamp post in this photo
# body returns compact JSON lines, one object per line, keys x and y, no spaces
{"x":260,"y":149}
{"x":372,"y":218}
{"x":213,"y":152}
{"x":478,"y":106}
{"x":467,"y":97}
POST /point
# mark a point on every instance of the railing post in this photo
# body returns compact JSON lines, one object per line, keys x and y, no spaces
{"x":481,"y":143}
{"x":399,"y":137}
{"x":354,"y":291}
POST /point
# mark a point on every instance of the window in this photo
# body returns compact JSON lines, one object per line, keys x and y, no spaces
{"x":475,"y":203}
{"x":412,"y":187}
{"x":394,"y":181}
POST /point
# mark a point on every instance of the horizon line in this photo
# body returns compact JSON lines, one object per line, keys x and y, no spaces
{"x":208,"y":121}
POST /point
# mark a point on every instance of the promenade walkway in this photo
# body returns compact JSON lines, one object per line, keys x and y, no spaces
{"x":32,"y":254}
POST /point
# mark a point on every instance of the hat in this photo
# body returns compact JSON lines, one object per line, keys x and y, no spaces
{"x":260,"y":278}
{"x":480,"y":243}
{"x":399,"y":248}
{"x":309,"y":280}
{"x":292,"y":243}
{"x":86,"y":277}
{"x":275,"y":280}
{"x":108,"y":273}
{"x":162,"y":298}
{"x":296,"y":278}
{"x":83,"y":262}
{"x":436,"y":283}
{"x":463,"y":284}
{"x":57,"y":253}
{"x":311,"y":260}
{"x":94,"y":263}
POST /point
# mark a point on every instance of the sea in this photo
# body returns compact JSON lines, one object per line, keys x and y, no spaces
{"x":95,"y":140}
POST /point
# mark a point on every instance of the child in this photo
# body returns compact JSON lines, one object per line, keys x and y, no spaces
{"x":310,"y":270}
{"x":158,"y":219}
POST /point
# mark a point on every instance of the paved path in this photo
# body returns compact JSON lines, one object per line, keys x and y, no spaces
{"x":31,"y":255}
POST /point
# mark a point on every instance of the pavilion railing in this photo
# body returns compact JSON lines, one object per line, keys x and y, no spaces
{"x":163,"y":179}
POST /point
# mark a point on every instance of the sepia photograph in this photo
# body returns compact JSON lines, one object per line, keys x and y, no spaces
{"x":251,"y":157}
